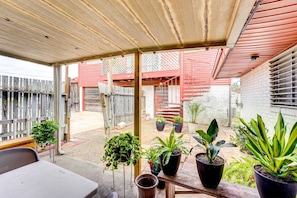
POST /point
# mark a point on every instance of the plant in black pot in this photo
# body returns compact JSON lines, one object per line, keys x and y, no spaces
{"x":171,"y":150}
{"x":160,"y":123}
{"x":121,"y":149}
{"x":276,"y":175}
{"x":44,"y":133}
{"x":210,"y":166}
{"x":152,"y":155}
{"x":177,"y":123}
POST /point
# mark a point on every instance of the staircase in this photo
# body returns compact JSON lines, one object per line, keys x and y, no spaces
{"x":163,"y":106}
{"x":195,"y":80}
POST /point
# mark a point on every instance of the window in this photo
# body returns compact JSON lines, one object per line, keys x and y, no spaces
{"x":283,"y":80}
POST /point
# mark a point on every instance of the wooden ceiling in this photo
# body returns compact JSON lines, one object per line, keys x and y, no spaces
{"x":54,"y":32}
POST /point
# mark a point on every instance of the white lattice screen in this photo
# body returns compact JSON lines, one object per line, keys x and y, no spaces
{"x":150,"y":63}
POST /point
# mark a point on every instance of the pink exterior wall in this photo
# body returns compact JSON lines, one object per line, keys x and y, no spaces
{"x":89,"y":75}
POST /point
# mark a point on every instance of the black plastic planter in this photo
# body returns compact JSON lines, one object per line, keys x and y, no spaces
{"x":160,"y":126}
{"x":177,"y":127}
{"x":269,"y":188}
{"x":173,"y":164}
{"x":209,"y":174}
{"x":161,"y":184}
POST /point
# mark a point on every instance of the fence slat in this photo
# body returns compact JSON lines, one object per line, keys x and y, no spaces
{"x":23,"y":100}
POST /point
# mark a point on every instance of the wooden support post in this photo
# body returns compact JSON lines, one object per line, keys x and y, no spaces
{"x":170,"y":190}
{"x":57,"y":105}
{"x":68,"y":107}
{"x":137,"y":105}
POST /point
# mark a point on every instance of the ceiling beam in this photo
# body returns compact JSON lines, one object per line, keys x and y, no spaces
{"x":143,"y":50}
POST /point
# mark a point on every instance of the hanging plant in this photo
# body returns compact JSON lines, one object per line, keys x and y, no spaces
{"x":44,"y":132}
{"x":123,"y":148}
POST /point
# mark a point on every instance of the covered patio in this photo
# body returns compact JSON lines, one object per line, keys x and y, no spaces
{"x":58,"y":33}
{"x":85,"y":150}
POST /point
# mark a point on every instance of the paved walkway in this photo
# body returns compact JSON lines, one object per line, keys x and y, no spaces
{"x":85,"y":150}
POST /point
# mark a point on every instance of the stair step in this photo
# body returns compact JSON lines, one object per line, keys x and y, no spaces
{"x":194,"y":91}
{"x":167,"y":110}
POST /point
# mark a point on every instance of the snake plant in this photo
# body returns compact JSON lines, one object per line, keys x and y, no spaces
{"x":277,"y":155}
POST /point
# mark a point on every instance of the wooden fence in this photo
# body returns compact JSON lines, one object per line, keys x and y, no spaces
{"x":119,"y":104}
{"x":23,"y":102}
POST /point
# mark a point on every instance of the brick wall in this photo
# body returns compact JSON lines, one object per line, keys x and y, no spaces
{"x":255,"y":96}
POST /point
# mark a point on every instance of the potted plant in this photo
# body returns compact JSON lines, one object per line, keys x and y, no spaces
{"x":152,"y":155}
{"x":276,"y":175}
{"x":171,"y":150}
{"x":44,"y":133}
{"x":194,"y":108}
{"x":210,"y":166}
{"x":121,"y":149}
{"x":160,"y":123}
{"x":177,"y":123}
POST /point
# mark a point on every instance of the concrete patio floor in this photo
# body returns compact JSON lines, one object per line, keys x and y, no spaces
{"x":84,"y":152}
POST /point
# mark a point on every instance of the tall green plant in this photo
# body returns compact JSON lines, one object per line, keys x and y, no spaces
{"x":170,"y":145}
{"x":206,"y":140}
{"x":277,"y":155}
{"x":194,"y":109}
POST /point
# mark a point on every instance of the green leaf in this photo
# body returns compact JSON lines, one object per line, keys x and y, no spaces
{"x":221,"y":142}
{"x":291,"y":145}
{"x":213,"y":152}
{"x":213,"y":130}
{"x":263,"y":133}
{"x":249,"y":130}
{"x":204,"y":135}
{"x":276,"y":146}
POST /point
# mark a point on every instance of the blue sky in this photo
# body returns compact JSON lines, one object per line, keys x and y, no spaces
{"x":19,"y":68}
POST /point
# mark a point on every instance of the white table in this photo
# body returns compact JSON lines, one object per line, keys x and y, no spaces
{"x":46,"y":180}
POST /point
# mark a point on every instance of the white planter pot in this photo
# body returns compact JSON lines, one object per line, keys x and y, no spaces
{"x":192,"y":127}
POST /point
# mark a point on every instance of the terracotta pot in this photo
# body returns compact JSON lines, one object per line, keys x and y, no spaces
{"x":209,"y":174}
{"x":269,"y":188}
{"x":146,"y":184}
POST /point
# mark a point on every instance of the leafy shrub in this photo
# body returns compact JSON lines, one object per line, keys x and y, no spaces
{"x":240,"y":140}
{"x":123,"y":148}
{"x":240,"y":171}
{"x":161,"y":119}
{"x":44,"y":132}
{"x":177,"y":119}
